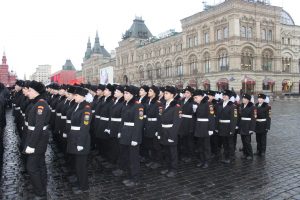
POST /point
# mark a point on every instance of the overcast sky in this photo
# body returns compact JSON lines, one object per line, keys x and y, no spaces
{"x":35,"y":32}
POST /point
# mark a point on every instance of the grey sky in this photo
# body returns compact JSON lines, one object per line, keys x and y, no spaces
{"x":37,"y":32}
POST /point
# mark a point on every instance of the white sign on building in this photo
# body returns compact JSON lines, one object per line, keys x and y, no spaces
{"x":106,"y":75}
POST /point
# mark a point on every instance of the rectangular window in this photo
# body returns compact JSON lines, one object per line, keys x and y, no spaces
{"x":219,"y":34}
{"x":190,"y":42}
{"x":270,"y":35}
{"x":206,"y":38}
{"x":225,"y":32}
{"x":243,"y":31}
{"x":195,"y":41}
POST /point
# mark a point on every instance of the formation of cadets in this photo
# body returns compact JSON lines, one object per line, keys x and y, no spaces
{"x":124,"y":126}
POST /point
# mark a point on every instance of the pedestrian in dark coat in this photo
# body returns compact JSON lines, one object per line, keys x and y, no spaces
{"x":78,"y":142}
{"x":263,"y":124}
{"x":37,"y":138}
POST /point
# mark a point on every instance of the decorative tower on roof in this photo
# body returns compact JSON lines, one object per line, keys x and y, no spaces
{"x":97,"y":48}
{"x":137,"y":30}
{"x":4,"y":59}
{"x":88,"y":51}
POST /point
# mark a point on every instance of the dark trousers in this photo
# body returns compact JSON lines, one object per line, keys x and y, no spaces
{"x":186,"y":145}
{"x":204,"y":148}
{"x":103,"y":146}
{"x":114,"y":149}
{"x":130,"y":160}
{"x":171,"y":157}
{"x":215,"y":144}
{"x":235,"y":138}
{"x":36,"y":167}
{"x":227,"y":142}
{"x":82,"y":171}
{"x":261,"y":139}
{"x":247,"y":148}
{"x":153,"y":148}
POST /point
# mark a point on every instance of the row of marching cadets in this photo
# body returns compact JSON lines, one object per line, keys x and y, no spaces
{"x":124,"y":125}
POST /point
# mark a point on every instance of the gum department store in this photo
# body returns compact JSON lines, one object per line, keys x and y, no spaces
{"x":244,"y":45}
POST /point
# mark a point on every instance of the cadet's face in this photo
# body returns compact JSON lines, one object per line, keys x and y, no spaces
{"x":118,"y":94}
{"x":198,"y":98}
{"x":187,"y":94}
{"x":151,"y":93}
{"x":25,"y":91}
{"x":127,"y":96}
{"x":168,"y":96}
{"x":99,"y":92}
{"x":78,"y":98}
{"x":225,"y":97}
{"x":142,"y":92}
{"x":260,"y":100}
{"x":32,"y":93}
{"x":161,"y":93}
{"x":210,"y":97}
{"x":107,"y":93}
{"x":245,"y":101}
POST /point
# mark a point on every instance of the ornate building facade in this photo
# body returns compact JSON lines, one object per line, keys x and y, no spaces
{"x":8,"y":78}
{"x":239,"y":44}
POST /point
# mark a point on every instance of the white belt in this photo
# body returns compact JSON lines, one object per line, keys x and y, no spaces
{"x":23,"y":114}
{"x":145,"y":116}
{"x":187,"y":116}
{"x":58,"y":114}
{"x":152,"y":119}
{"x":26,"y":123}
{"x":93,"y":111}
{"x":116,"y":119}
{"x":261,"y":120}
{"x":246,"y":119}
{"x":17,"y":108}
{"x":97,"y":116}
{"x":68,"y":121}
{"x":14,"y":104}
{"x":202,"y":119}
{"x":63,"y":117}
{"x":128,"y":124}
{"x":167,"y":125}
{"x":75,"y":128}
{"x":32,"y":128}
{"x":52,"y":110}
{"x":224,"y":121}
{"x":104,"y":118}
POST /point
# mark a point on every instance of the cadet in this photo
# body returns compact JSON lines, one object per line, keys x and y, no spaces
{"x":168,"y":133}
{"x":205,"y":126}
{"x":226,"y":120}
{"x":78,"y":142}
{"x":263,"y":123}
{"x":247,"y":125}
{"x":186,"y":130}
{"x":131,"y":135}
{"x":37,"y":138}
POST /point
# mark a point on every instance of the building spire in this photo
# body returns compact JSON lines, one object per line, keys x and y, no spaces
{"x":97,"y":48}
{"x":88,"y":51}
{"x":4,"y":58}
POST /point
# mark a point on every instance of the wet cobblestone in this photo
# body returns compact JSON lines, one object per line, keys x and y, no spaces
{"x":277,"y":176}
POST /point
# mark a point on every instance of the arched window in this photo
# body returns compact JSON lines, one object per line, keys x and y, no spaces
{"x":179,"y":67}
{"x":267,"y":60}
{"x":223,"y":60}
{"x":206,"y":62}
{"x":249,"y":32}
{"x":149,"y":71}
{"x":286,"y":63}
{"x":263,"y":34}
{"x":168,"y":68}
{"x":193,"y":64}
{"x":247,"y":59}
{"x":158,"y":70}
{"x":141,"y":72}
{"x":225,"y":33}
{"x":243,"y":31}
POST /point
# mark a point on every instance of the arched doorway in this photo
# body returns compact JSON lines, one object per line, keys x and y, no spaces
{"x":248,"y":85}
{"x":268,"y":85}
{"x":287,"y":86}
{"x":222,"y":84}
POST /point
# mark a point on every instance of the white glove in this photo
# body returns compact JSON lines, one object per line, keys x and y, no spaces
{"x":210,"y":132}
{"x":107,"y":131}
{"x":119,"y":135}
{"x":158,"y":137}
{"x":169,"y":140}
{"x":251,"y":132}
{"x":29,"y":150}
{"x":195,"y":107}
{"x":79,"y":148}
{"x":216,"y":131}
{"x":156,"y":134}
{"x":236,"y":127}
{"x":64,"y":135}
{"x":230,"y":133}
{"x":133,"y":143}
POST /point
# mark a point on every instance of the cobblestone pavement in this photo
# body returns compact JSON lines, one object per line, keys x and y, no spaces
{"x":275,"y":177}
